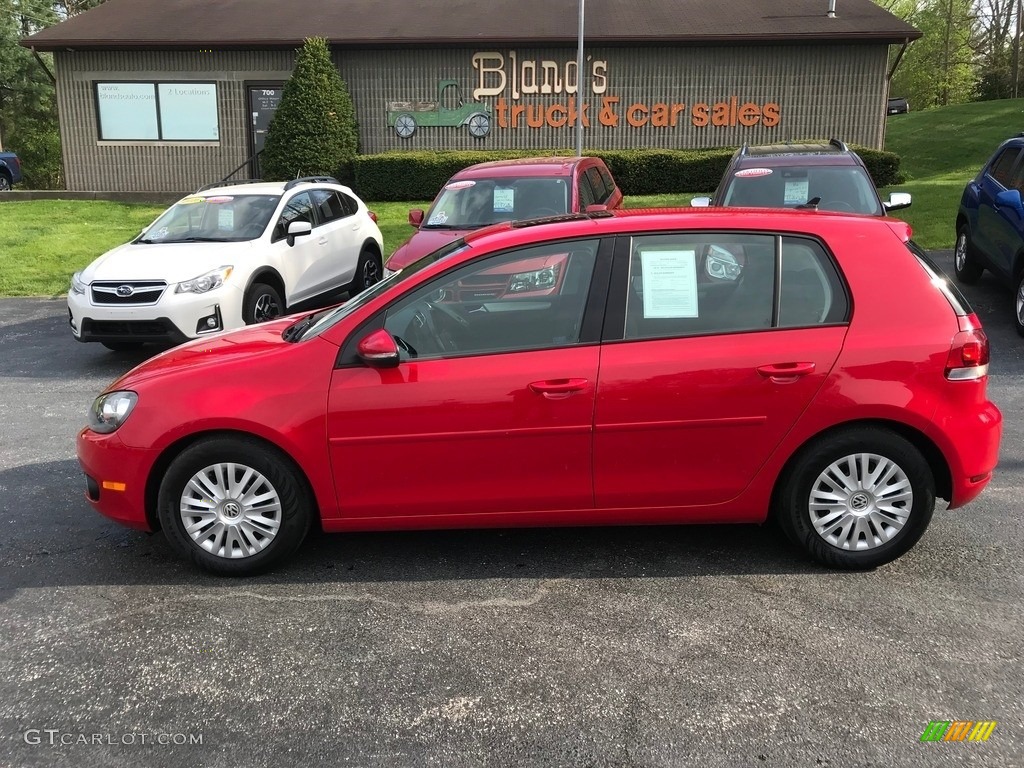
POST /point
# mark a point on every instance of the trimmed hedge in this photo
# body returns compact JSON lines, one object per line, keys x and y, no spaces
{"x":399,"y":176}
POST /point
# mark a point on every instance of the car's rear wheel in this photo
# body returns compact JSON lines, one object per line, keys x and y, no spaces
{"x":1018,"y":304}
{"x":5,"y":182}
{"x":965,"y":261}
{"x":234,"y":506}
{"x":369,"y":271}
{"x":262,"y":303}
{"x":122,"y":346}
{"x":858,"y":499}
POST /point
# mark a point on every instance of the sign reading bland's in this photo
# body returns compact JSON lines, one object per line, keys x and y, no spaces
{"x":513,"y":80}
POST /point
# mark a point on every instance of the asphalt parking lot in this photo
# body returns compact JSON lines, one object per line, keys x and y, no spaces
{"x":717,"y":646}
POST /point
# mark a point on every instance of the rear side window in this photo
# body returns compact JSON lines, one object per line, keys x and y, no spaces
{"x":328,"y":204}
{"x":600,"y":192}
{"x":1003,"y":166}
{"x":811,"y":291}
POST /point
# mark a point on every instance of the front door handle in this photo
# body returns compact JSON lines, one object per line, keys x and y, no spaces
{"x":558,"y":387}
{"x":784,"y":373}
{"x":322,"y":241}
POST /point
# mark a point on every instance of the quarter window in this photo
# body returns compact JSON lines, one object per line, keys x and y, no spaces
{"x":527,"y":299}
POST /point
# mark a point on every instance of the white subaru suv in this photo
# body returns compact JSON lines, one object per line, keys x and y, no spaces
{"x":227,"y":256}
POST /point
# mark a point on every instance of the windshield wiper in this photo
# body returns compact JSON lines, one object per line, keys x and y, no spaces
{"x":441,"y":226}
{"x":294,"y":332}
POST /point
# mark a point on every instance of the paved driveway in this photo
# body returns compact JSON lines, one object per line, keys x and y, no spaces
{"x":716,"y":646}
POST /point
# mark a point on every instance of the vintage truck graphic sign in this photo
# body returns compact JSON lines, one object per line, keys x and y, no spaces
{"x":406,"y":116}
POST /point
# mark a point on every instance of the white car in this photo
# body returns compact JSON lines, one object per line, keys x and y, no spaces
{"x":228,"y":256}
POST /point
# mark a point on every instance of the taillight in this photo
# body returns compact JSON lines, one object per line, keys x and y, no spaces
{"x":969,"y":352}
{"x":373,"y":216}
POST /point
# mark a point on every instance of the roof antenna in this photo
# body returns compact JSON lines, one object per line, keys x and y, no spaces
{"x":831,"y":9}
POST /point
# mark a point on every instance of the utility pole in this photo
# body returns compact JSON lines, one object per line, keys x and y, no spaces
{"x":579,"y":87}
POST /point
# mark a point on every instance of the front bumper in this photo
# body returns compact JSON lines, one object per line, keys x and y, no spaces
{"x":116,"y":478}
{"x":175,"y":318}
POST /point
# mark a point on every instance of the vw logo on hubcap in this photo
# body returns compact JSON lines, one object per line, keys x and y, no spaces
{"x":859,"y":502}
{"x":232,"y":510}
{"x":125,"y":290}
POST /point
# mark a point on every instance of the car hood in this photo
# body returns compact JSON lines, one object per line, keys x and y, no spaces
{"x":249,"y":343}
{"x":171,"y":262}
{"x":419,"y":245}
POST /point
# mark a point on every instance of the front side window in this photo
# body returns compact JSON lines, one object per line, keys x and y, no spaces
{"x":157,"y":111}
{"x":213,"y":218}
{"x":299,"y":208}
{"x":531,"y":298}
{"x":474,"y":203}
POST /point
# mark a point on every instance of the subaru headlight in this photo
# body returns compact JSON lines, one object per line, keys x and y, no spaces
{"x":534,"y":281}
{"x":110,"y":411}
{"x":213,"y":279}
{"x":77,"y":286}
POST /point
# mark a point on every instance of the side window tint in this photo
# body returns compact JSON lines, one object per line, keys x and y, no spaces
{"x":531,"y":298}
{"x":812,"y":292}
{"x":350,"y":206}
{"x":699,"y":283}
{"x":609,"y":182}
{"x":1003,"y":165}
{"x":328,"y":205}
{"x":600,"y":193}
{"x":299,"y":208}
{"x":586,"y":193}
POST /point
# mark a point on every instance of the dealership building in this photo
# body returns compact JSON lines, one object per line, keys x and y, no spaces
{"x":166,"y":95}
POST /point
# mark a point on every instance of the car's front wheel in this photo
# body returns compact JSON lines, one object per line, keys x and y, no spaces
{"x":965,"y":261}
{"x":262,"y":303}
{"x":857,"y":499}
{"x":234,"y":506}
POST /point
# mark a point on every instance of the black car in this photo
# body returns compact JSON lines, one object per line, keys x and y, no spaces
{"x":828,"y":177}
{"x":897,"y":106}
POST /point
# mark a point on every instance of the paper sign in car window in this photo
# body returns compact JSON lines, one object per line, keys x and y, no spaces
{"x":670,"y":283}
{"x":796,"y":192}
{"x":225,"y":218}
{"x":504,"y":199}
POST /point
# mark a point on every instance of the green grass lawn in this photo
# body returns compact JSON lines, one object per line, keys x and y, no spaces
{"x":42,"y":242}
{"x":942,"y":149}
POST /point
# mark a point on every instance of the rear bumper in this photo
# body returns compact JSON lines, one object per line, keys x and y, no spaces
{"x":115,"y":478}
{"x":970,"y":440}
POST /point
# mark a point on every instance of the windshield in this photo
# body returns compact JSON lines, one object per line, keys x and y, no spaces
{"x":474,"y":203}
{"x":321,"y":322}
{"x":837,"y":188}
{"x":214,"y":219}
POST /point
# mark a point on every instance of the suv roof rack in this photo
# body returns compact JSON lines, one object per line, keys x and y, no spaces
{"x":744,"y":149}
{"x":228,"y":183}
{"x":310,"y":180}
{"x":838,"y":144}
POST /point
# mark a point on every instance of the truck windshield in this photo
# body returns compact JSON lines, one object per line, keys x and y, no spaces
{"x":474,"y":203}
{"x":216,"y":218}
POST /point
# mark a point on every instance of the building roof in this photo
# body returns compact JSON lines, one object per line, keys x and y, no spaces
{"x":118,"y":24}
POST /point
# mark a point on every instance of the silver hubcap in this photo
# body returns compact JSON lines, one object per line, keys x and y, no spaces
{"x":370,"y":273}
{"x":265,"y":308}
{"x":230,"y":510}
{"x":860,"y":501}
{"x":1020,"y":302}
{"x":960,"y":256}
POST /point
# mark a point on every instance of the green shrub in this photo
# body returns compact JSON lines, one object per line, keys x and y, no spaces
{"x":419,"y":175}
{"x":314,"y":130}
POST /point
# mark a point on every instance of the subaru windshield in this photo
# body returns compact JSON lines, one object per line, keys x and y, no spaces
{"x":213,"y":219}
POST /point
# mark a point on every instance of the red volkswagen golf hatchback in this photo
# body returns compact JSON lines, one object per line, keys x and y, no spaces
{"x":641,"y":367}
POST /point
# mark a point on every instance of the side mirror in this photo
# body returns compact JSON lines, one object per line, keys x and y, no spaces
{"x":298,"y":229}
{"x":378,"y":350}
{"x":897,"y":200}
{"x":700,"y":202}
{"x":1010,"y":198}
{"x":416,"y":217}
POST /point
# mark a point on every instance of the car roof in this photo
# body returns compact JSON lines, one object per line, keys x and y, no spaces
{"x":276,"y":188}
{"x":655,"y":220}
{"x":834,"y":152}
{"x":532,"y":166}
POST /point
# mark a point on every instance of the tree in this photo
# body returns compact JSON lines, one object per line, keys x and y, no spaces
{"x":314,"y":129}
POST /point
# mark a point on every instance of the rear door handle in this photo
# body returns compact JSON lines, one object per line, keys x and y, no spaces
{"x":562,"y":387}
{"x":785,"y":372}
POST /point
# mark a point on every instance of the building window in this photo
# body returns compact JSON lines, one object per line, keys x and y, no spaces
{"x":157,"y":111}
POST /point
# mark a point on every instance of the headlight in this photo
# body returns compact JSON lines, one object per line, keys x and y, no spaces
{"x":77,"y":286}
{"x":533,"y":281}
{"x":215,"y":278}
{"x":722,"y":265}
{"x":110,"y":411}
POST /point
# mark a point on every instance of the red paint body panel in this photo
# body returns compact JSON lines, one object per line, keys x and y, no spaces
{"x":624,"y":432}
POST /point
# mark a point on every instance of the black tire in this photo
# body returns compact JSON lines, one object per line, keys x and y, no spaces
{"x":965,"y":259}
{"x":793,"y":509}
{"x":262,"y":303}
{"x":369,"y":270}
{"x":279,"y":476}
{"x":122,"y":346}
{"x":1018,"y":304}
{"x":5,"y":183}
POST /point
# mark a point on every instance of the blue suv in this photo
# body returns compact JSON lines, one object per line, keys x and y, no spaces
{"x":990,"y":224}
